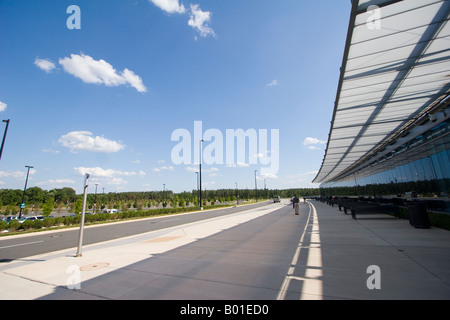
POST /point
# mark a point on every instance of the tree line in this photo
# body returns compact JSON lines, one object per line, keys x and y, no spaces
{"x":37,"y":199}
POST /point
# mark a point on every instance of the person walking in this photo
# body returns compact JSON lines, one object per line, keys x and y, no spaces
{"x":296,"y":202}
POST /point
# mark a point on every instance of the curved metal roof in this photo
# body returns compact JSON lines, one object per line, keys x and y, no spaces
{"x":396,"y":66}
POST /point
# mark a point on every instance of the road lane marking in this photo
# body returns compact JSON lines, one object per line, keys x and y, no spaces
{"x":311,"y":282}
{"x":21,"y":244}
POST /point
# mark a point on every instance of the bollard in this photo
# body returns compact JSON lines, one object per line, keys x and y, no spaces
{"x":418,"y":217}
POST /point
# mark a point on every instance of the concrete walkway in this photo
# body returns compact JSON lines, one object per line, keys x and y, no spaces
{"x":265,"y":253}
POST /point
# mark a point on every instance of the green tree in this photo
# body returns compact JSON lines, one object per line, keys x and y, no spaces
{"x":48,"y":205}
{"x":78,"y":206}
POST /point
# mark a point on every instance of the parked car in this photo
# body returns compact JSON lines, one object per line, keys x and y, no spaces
{"x":10,"y":218}
{"x":276,"y":199}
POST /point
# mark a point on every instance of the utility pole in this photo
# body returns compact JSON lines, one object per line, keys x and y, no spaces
{"x":4,"y":137}
{"x":200,"y":170}
{"x":256,"y":188}
{"x":22,"y":204}
{"x":83,"y":209}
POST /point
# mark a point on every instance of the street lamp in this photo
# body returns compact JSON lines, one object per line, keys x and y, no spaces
{"x":22,"y":204}
{"x":95,"y":198}
{"x":4,"y":136}
{"x":200,"y":170}
{"x":256,"y":187}
{"x":164,"y":193}
{"x":196,"y":179}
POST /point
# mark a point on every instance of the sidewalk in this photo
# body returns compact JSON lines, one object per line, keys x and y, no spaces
{"x":331,"y":256}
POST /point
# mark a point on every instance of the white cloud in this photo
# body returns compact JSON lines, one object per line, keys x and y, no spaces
{"x":169,"y":6}
{"x":238,"y":165}
{"x":99,"y":72}
{"x":2,"y":106}
{"x":50,"y":151}
{"x":199,"y":20}
{"x":110,"y":176}
{"x":313,"y":143}
{"x":83,"y":140}
{"x":44,"y":64}
{"x":56,"y":181}
{"x":134,"y":80}
{"x":268,"y":176}
{"x":300,"y":180}
{"x":274,"y":83}
{"x":16,"y":174}
{"x":163,"y":168}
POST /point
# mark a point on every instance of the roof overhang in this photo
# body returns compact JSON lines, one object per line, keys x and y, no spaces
{"x":395,"y":71}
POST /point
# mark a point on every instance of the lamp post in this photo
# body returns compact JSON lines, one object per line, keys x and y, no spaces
{"x":200,"y":171}
{"x":22,"y":204}
{"x":83,"y":211}
{"x":164,"y":194}
{"x":95,"y":198}
{"x":237,"y":195}
{"x":256,"y":187}
{"x":4,"y":136}
{"x":196,"y":179}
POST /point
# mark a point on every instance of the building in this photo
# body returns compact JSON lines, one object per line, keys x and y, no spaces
{"x":389,"y":132}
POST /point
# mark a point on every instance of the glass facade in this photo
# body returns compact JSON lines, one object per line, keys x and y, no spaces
{"x":420,"y":167}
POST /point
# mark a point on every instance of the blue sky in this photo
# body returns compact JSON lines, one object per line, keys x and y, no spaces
{"x":107,"y":97}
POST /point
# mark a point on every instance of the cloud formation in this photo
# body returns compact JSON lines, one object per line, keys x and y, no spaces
{"x":94,"y":71}
{"x":44,"y":64}
{"x":2,"y":106}
{"x":313,"y":143}
{"x":84,"y":141}
{"x":274,"y":83}
{"x":109,"y":176}
{"x":169,"y":6}
{"x":199,"y":20}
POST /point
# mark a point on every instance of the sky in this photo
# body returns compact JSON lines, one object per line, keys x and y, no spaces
{"x":125,"y":90}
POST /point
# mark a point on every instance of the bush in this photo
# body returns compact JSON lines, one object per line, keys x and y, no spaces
{"x":3,"y":225}
{"x":38,"y":224}
{"x":59,"y":221}
{"x":49,"y":222}
{"x":14,"y":225}
{"x":27,"y":224}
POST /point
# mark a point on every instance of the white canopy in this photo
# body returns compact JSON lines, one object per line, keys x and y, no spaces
{"x":396,"y":68}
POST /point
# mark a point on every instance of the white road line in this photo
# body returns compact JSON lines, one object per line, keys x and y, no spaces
{"x":289,"y":276}
{"x":21,"y":244}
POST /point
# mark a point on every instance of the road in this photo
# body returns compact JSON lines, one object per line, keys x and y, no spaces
{"x":12,"y":248}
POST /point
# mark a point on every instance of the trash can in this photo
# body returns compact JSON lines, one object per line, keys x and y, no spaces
{"x":418,"y":216}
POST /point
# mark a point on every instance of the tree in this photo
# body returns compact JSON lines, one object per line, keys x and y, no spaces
{"x":48,"y":205}
{"x":78,"y":207}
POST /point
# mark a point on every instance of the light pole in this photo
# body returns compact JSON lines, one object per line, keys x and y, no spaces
{"x":83,"y":211}
{"x":200,"y":170}
{"x":237,"y":194}
{"x":22,"y":204}
{"x":95,"y":198}
{"x":256,"y":188}
{"x":164,"y":194}
{"x":4,"y":136}
{"x":196,"y":179}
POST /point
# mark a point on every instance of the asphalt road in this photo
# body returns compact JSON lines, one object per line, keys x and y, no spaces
{"x":13,"y":248}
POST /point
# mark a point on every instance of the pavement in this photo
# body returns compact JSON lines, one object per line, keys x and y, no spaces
{"x":266,"y":253}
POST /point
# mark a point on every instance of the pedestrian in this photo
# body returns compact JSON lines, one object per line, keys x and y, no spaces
{"x":296,"y":202}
